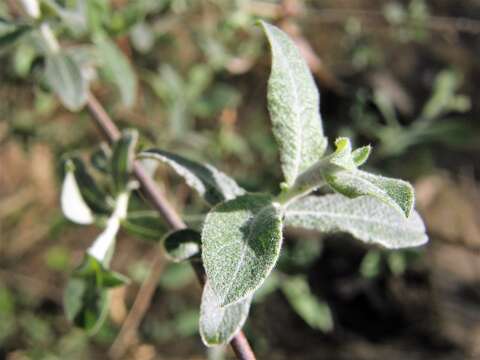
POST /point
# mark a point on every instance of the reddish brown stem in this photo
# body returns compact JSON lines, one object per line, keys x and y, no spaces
{"x":239,"y":344}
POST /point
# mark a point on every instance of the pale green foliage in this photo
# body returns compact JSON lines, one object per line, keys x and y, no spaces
{"x":65,"y":78}
{"x":117,"y":68}
{"x":398,"y":194}
{"x":181,"y":245}
{"x":218,"y":325}
{"x":316,"y":313}
{"x":366,"y":218}
{"x":211,"y":184}
{"x":293,"y":103}
{"x":342,"y":157}
{"x":241,"y":242}
{"x":339,"y":171}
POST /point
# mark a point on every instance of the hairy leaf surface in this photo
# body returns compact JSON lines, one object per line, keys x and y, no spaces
{"x":241,"y":242}
{"x":366,"y":218}
{"x":218,"y":325}
{"x":210,"y":183}
{"x":293,"y":103}
{"x":397,"y":193}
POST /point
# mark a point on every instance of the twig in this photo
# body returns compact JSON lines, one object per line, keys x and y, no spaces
{"x":239,"y":344}
{"x":140,"y":306}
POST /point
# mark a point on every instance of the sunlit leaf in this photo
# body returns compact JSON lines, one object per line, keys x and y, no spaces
{"x":397,"y":193}
{"x":241,"y":241}
{"x":293,"y":103}
{"x":366,"y":218}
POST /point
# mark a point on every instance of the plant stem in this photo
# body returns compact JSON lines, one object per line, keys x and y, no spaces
{"x":239,"y":344}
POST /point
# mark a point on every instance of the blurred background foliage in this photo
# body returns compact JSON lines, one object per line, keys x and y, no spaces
{"x":191,"y":76}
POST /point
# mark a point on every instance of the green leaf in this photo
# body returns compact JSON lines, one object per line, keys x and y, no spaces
{"x":211,"y":184}
{"x":73,"y":204}
{"x":146,"y":224}
{"x":93,"y":269}
{"x":218,"y":325}
{"x":117,"y":68}
{"x":182,"y":244}
{"x":65,"y":78}
{"x":293,"y":103}
{"x":85,"y":304}
{"x":366,"y":218}
{"x":241,"y":241}
{"x":397,"y":193}
{"x":316,"y":313}
{"x":123,"y":155}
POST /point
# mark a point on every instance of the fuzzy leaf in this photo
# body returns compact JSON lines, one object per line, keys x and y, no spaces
{"x":213,"y":185}
{"x":73,"y":204}
{"x":182,"y":244}
{"x":218,"y":325}
{"x":64,"y":76}
{"x":316,"y":313}
{"x":145,"y":224}
{"x":117,"y":68}
{"x":122,"y":159}
{"x":293,"y":103}
{"x":241,"y":242}
{"x":366,"y":218}
{"x":342,"y":157}
{"x":397,"y":193}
